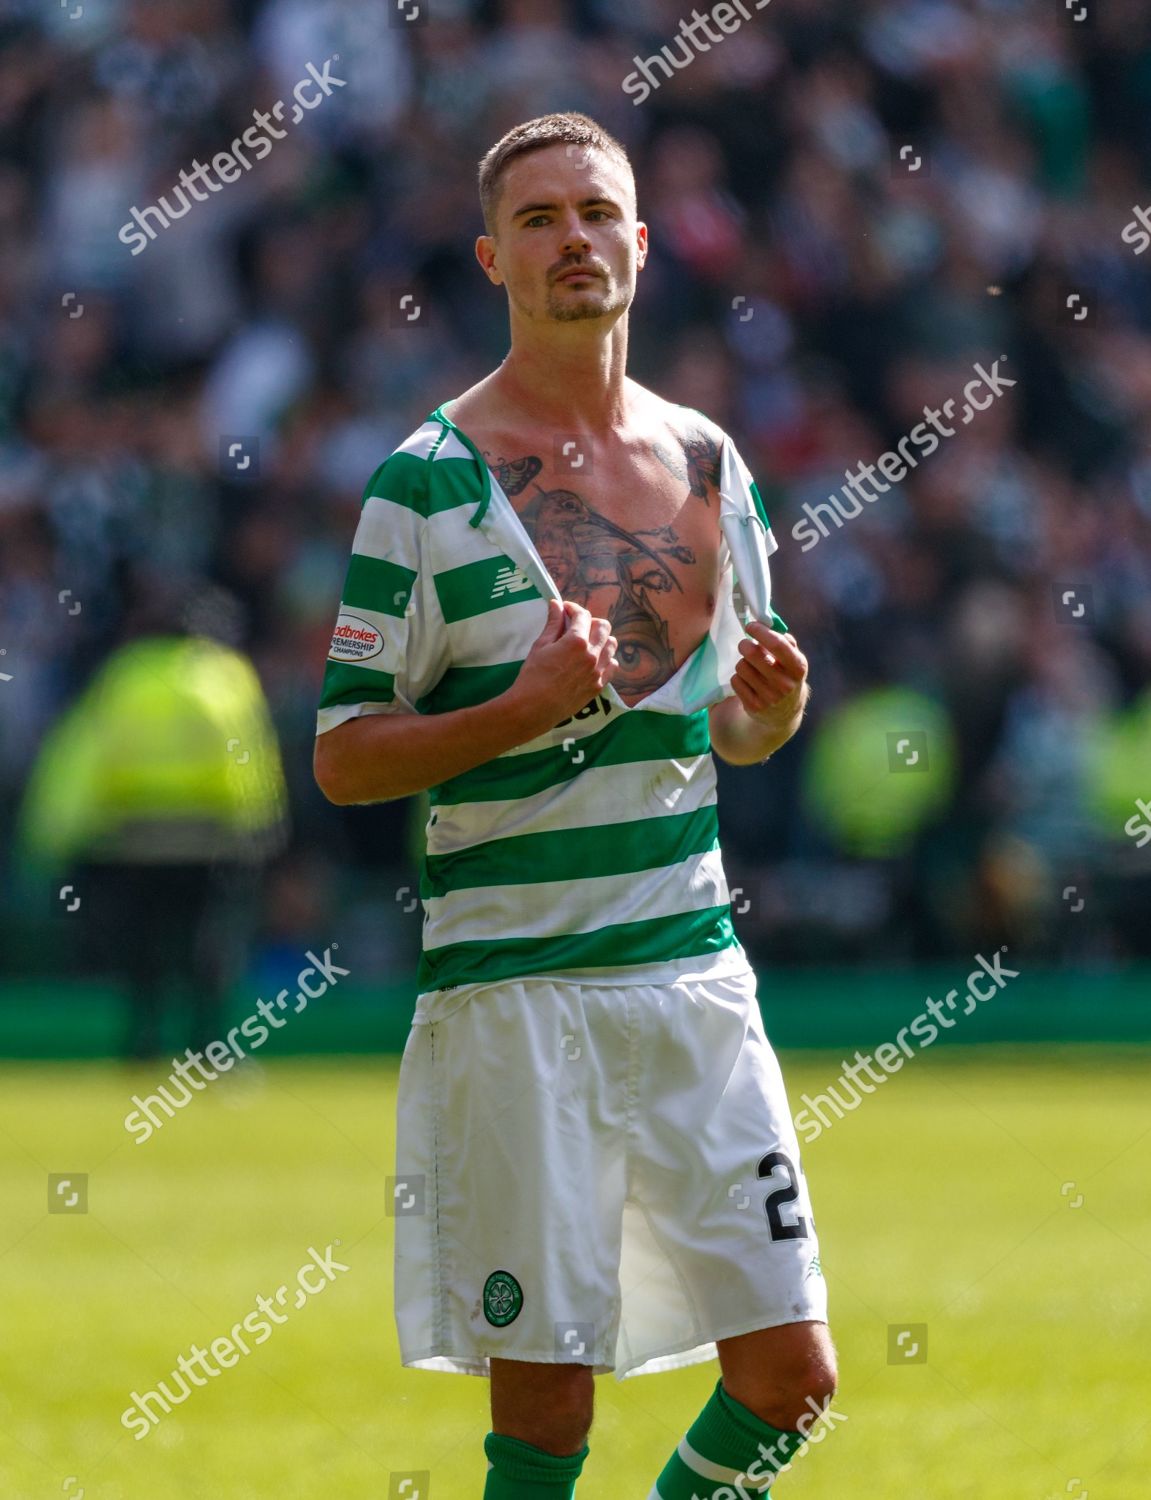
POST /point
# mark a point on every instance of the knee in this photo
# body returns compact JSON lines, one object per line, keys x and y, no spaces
{"x":793,"y":1400}
{"x":553,"y":1413}
{"x":812,"y":1392}
{"x":559,"y":1426}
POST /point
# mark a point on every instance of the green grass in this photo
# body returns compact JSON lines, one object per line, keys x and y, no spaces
{"x":939,"y":1201}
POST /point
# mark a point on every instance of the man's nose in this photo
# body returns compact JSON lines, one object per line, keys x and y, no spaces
{"x":575,"y":236}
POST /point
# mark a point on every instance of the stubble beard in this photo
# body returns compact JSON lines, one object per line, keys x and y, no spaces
{"x":612,"y":298}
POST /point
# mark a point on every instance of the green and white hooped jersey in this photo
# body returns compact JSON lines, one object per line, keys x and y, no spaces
{"x":591,"y":851}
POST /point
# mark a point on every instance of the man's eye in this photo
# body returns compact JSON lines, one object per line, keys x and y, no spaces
{"x":542,"y":218}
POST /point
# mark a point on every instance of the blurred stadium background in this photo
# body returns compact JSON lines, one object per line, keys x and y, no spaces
{"x":850,"y":204}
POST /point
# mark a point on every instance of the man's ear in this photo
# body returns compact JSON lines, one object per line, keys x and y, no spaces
{"x":486,"y":255}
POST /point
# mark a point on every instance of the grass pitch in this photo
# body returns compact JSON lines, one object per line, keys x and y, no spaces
{"x":1000,"y":1197}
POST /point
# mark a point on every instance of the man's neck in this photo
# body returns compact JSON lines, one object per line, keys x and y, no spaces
{"x":573,"y":384}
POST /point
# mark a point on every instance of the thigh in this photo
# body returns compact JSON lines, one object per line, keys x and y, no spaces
{"x":225,"y":900}
{"x":120,"y":932}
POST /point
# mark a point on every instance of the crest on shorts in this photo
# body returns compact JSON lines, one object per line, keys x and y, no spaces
{"x":503,"y":1299}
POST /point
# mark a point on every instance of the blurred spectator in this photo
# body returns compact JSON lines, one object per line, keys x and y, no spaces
{"x":156,"y":797}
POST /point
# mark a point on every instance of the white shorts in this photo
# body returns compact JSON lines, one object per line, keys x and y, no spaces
{"x":598,"y":1174}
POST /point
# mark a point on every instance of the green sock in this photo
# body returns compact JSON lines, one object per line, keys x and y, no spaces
{"x":520,"y":1472}
{"x":726,"y":1443}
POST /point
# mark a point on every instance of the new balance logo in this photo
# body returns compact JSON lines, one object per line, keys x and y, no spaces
{"x":509,"y":580}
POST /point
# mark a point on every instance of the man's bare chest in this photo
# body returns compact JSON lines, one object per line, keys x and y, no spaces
{"x":630,"y":540}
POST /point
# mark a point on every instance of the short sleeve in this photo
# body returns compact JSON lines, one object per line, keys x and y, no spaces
{"x":389,"y":645}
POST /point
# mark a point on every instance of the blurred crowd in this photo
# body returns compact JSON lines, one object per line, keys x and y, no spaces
{"x":850,"y":203}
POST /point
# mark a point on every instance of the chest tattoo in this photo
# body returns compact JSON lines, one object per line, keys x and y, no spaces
{"x":587,"y":554}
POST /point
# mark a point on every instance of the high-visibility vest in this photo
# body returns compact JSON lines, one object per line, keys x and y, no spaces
{"x":168,"y":754}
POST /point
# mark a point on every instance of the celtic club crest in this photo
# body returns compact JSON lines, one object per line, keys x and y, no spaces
{"x":503,"y":1299}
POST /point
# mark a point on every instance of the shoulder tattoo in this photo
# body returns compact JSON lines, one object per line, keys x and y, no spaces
{"x":695,"y":459}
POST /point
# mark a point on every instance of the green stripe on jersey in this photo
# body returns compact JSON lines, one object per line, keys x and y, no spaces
{"x":474,"y":588}
{"x":596,"y":851}
{"x":375,"y":583}
{"x":633,"y":737}
{"x":412,"y":480}
{"x":757,"y":501}
{"x":461,"y":687}
{"x":658,"y":939}
{"x":346,"y":683}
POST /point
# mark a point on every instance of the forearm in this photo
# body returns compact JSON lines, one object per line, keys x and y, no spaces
{"x":379,"y":757}
{"x":743,"y":741}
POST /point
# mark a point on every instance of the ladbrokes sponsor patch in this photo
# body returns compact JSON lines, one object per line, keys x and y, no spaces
{"x":355,"y":639}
